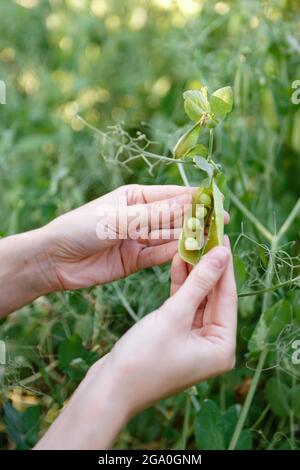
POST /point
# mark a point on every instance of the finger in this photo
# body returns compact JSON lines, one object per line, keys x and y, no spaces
{"x":190,"y":268}
{"x":156,"y":255}
{"x":143,"y":218}
{"x":200,"y":282}
{"x":143,"y":194}
{"x":198,"y":318}
{"x":160,"y":236}
{"x":179,"y":273}
{"x":168,"y":212}
{"x":224,"y":311}
{"x":226,"y":218}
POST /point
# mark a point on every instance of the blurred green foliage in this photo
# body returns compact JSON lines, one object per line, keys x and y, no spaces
{"x":112,"y":62}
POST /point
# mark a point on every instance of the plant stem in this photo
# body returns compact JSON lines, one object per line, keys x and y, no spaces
{"x":285,"y":226}
{"x":265,"y":232}
{"x":248,"y":401}
{"x":269,"y":289}
{"x":261,"y":417}
{"x":266,"y":302}
{"x":223,"y":394}
{"x":276,"y":435}
{"x":139,"y":151}
{"x":291,"y":419}
{"x":37,"y":375}
{"x":125,"y":303}
{"x":292,"y":429}
{"x":186,"y":420}
{"x":183,"y":175}
{"x":270,"y":274}
{"x":263,"y":354}
{"x":210,"y":144}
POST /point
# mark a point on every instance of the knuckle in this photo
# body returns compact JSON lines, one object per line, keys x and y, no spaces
{"x":133,"y":191}
{"x":170,"y":309}
{"x":203,"y":280}
{"x":133,"y":186}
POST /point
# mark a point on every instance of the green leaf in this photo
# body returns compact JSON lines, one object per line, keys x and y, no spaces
{"x":247,"y":305}
{"x":239,"y":271}
{"x":145,"y":426}
{"x":230,"y":418}
{"x":203,"y":165}
{"x":195,"y":104}
{"x":202,"y":390}
{"x":209,"y":427}
{"x":270,"y":325}
{"x":245,"y":440}
{"x":69,"y":350}
{"x":221,"y":102}
{"x":216,"y":228}
{"x":211,"y":122}
{"x":199,"y":149}
{"x":276,"y":393}
{"x":74,"y":359}
{"x":187,"y":141}
{"x":22,"y":427}
{"x":294,"y":400}
{"x":221,"y":181}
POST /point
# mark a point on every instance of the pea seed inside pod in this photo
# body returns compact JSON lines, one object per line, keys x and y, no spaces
{"x":201,"y":212}
{"x":193,"y":224}
{"x":205,"y":199}
{"x":191,"y":244}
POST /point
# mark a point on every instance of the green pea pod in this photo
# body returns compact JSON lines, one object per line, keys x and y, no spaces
{"x":216,"y":227}
{"x":187,"y":141}
{"x":212,"y":199}
{"x":189,"y":256}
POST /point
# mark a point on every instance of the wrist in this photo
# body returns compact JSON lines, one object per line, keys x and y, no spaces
{"x":43,"y":263}
{"x":38,"y":263}
{"x":26,"y":271}
{"x":94,"y":416}
{"x":104,"y":385}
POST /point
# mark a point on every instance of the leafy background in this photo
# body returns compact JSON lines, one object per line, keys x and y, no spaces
{"x":125,"y":65}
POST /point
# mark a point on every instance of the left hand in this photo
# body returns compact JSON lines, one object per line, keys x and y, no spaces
{"x":80,"y":259}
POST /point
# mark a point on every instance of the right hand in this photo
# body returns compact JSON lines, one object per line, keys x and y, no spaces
{"x":191,"y":337}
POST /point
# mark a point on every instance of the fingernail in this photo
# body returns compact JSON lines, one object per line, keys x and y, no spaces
{"x":226,"y":217}
{"x":218,"y":257}
{"x":226,"y":241}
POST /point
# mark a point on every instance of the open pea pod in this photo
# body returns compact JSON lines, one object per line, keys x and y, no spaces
{"x":216,"y":226}
{"x":192,"y":244}
{"x":189,"y":256}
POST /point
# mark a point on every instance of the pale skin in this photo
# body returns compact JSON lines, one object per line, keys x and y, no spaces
{"x":189,"y":338}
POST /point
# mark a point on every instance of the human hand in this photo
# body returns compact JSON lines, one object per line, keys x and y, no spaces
{"x":80,"y":259}
{"x":189,"y":338}
{"x":68,"y":253}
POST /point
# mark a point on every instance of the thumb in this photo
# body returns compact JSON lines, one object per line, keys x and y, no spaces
{"x":200,"y":282}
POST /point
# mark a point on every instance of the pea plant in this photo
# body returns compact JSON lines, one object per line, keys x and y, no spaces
{"x":207,"y":216}
{"x":50,"y":164}
{"x":270,"y":343}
